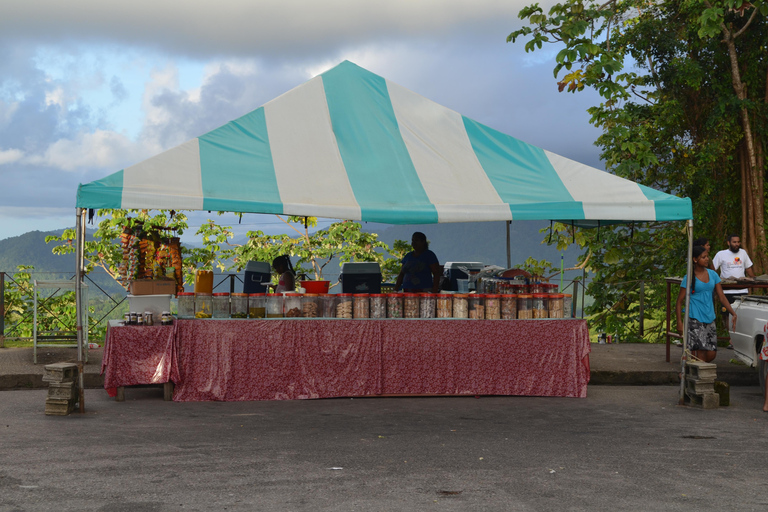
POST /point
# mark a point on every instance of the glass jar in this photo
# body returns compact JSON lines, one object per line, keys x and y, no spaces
{"x":518,"y":288}
{"x":410,"y":305}
{"x":274,"y":305}
{"x":186,"y":305}
{"x":310,"y":305}
{"x":361,"y":306}
{"x":238,"y":305}
{"x":203,"y":305}
{"x":444,"y":305}
{"x":394,"y":305}
{"x":344,"y":305}
{"x":256,"y":305}
{"x":220,"y":305}
{"x":292,"y":305}
{"x":461,"y":305}
{"x":524,"y":306}
{"x":539,"y":305}
{"x":166,"y":318}
{"x":536,"y":287}
{"x":492,"y":306}
{"x":476,"y":306}
{"x":329,"y":305}
{"x":427,"y":305}
{"x":509,"y":306}
{"x":556,"y":305}
{"x":378,"y":305}
{"x":550,"y":287}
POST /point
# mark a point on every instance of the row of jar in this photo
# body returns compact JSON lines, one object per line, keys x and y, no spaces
{"x":379,"y":305}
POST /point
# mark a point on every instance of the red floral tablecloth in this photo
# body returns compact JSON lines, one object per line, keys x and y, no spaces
{"x":294,"y":359}
{"x":137,"y":355}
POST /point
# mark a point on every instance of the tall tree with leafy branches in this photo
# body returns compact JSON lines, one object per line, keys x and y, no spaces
{"x":684,"y":107}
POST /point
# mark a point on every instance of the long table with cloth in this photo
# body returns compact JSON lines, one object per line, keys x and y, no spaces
{"x":281,"y":359}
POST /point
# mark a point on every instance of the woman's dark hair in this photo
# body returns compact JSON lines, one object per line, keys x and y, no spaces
{"x":421,"y":236}
{"x":698,"y":250}
{"x":701,"y":241}
{"x":285,"y":260}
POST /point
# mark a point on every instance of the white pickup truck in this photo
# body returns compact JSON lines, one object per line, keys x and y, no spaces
{"x":751,"y":329}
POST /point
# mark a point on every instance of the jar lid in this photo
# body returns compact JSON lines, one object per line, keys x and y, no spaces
{"x":360,"y":295}
{"x":510,"y":295}
{"x":493,"y":296}
{"x":243,"y":294}
{"x":186,"y":294}
{"x":524,"y":296}
{"x":395,"y":294}
{"x":292,"y":294}
{"x":254,"y":294}
{"x":311,"y":294}
{"x":429,"y":295}
{"x":460,"y":295}
{"x":476,"y":295}
{"x":411,"y":295}
{"x":344,"y":294}
{"x":540,"y":295}
{"x":379,"y":294}
{"x":221,"y":295}
{"x":203,"y":294}
{"x":557,"y":295}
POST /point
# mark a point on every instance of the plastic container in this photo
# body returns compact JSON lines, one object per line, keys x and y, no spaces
{"x":204,"y":281}
{"x":461,"y":305}
{"x":344,"y":305}
{"x":524,"y":311}
{"x":274,"y":305}
{"x":329,"y":305}
{"x":509,"y":306}
{"x":427,"y":305}
{"x":394,"y":305}
{"x":155,"y":304}
{"x":361,"y":305}
{"x":444,"y":305}
{"x":203,"y":305}
{"x":556,"y":305}
{"x":539,"y":305}
{"x":492,"y":306}
{"x":378,"y":305}
{"x":567,"y":305}
{"x":316,"y":287}
{"x":410,"y":305}
{"x":477,"y":306}
{"x":310,"y":305}
{"x":220,"y":305}
{"x":292,"y":305}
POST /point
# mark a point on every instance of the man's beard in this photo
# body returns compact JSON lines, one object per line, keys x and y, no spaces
{"x":736,"y":250}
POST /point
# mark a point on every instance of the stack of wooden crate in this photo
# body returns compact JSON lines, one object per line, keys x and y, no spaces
{"x":62,"y":388}
{"x":700,"y":385}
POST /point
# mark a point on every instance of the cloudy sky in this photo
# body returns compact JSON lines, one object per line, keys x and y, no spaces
{"x":88,"y":87}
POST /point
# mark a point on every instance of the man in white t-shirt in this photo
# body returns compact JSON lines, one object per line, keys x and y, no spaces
{"x":733,"y":263}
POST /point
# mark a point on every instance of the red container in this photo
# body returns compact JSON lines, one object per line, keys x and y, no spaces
{"x":315,"y":286}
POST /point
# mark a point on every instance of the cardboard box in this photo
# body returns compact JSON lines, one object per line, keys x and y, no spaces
{"x":153,"y":287}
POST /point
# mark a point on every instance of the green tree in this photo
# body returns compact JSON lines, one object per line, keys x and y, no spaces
{"x":684,"y":93}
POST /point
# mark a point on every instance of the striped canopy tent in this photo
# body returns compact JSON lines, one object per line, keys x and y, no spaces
{"x":349,"y":144}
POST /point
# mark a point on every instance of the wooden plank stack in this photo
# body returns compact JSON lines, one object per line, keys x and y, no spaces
{"x":700,"y":385}
{"x":62,"y":388}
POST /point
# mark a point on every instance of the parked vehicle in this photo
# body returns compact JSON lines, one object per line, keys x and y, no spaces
{"x":751,"y":330}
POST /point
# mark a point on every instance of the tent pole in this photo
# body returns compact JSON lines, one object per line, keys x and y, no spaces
{"x":79,"y":248}
{"x":509,"y":247}
{"x":688,"y":282}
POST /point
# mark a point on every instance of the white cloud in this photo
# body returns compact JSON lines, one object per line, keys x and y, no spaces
{"x":98,"y":150}
{"x":10,"y":156}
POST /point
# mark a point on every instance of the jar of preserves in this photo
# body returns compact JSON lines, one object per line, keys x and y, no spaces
{"x":460,"y":305}
{"x":292,"y":305}
{"x":492,"y":306}
{"x":394,"y":305}
{"x":556,"y":302}
{"x":476,"y":306}
{"x":220,"y":305}
{"x":410,"y":305}
{"x":361,"y":306}
{"x":524,"y":306}
{"x":203,"y":305}
{"x":274,"y":305}
{"x":186,"y":305}
{"x":567,"y":305}
{"x":166,"y":318}
{"x":310,"y":305}
{"x":238,"y":305}
{"x":550,"y":287}
{"x":444,"y":305}
{"x":539,"y":305}
{"x":427,"y":305}
{"x":509,"y":306}
{"x":344,"y":305}
{"x":518,"y":288}
{"x":378,"y":305}
{"x":329,"y":305}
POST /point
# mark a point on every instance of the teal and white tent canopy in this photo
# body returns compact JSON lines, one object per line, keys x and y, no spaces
{"x":349,"y":144}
